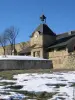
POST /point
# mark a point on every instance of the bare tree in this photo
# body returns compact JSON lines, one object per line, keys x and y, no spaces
{"x":12,"y":33}
{"x":3,"y":41}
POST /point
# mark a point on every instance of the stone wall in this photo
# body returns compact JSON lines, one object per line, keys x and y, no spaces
{"x":18,"y":47}
{"x":25,"y":64}
{"x":62,"y":59}
{"x":58,"y":58}
{"x":69,"y":62}
{"x":1,"y":51}
{"x":8,"y":49}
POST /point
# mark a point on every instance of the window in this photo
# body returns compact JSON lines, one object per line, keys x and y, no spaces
{"x":34,"y":54}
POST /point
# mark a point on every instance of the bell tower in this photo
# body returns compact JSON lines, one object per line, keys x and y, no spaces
{"x":41,"y":38}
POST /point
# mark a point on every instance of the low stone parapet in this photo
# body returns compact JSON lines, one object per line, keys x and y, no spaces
{"x":16,"y":64}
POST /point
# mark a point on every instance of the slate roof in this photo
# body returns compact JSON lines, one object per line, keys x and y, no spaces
{"x":66,"y":34}
{"x":62,"y":40}
{"x":44,"y":29}
{"x":25,"y":51}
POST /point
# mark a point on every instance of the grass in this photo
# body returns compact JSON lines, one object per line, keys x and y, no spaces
{"x":37,"y":95}
{"x":73,"y":85}
{"x":15,"y":87}
{"x":33,"y":95}
{"x":9,"y":74}
{"x":56,"y":85}
{"x":7,"y":83}
{"x":45,"y":95}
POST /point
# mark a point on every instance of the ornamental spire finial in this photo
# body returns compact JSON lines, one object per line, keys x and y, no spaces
{"x":43,"y":18}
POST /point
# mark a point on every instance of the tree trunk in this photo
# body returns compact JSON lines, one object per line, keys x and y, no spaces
{"x":11,"y":49}
{"x":4,"y":50}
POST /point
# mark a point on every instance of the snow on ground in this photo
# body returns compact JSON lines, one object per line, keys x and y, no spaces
{"x":9,"y":57}
{"x":60,"y":82}
{"x":13,"y":96}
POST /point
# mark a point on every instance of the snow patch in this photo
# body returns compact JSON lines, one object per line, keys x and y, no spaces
{"x":13,"y":57}
{"x":59,"y":82}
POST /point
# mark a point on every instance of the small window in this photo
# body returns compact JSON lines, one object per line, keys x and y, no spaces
{"x":34,"y":54}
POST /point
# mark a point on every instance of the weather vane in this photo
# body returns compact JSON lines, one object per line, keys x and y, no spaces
{"x":43,"y":18}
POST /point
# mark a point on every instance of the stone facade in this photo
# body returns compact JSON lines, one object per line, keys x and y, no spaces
{"x":39,"y":43}
{"x":58,"y":58}
{"x":69,"y":62}
{"x":36,"y":42}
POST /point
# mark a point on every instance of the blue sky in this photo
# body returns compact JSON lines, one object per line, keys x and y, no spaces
{"x":24,"y":14}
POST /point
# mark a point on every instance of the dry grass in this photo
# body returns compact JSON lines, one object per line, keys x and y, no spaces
{"x":9,"y":73}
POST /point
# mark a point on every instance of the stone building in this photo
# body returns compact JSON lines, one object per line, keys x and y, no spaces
{"x":46,"y":44}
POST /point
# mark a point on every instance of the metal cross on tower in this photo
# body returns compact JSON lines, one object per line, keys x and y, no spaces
{"x":43,"y":18}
